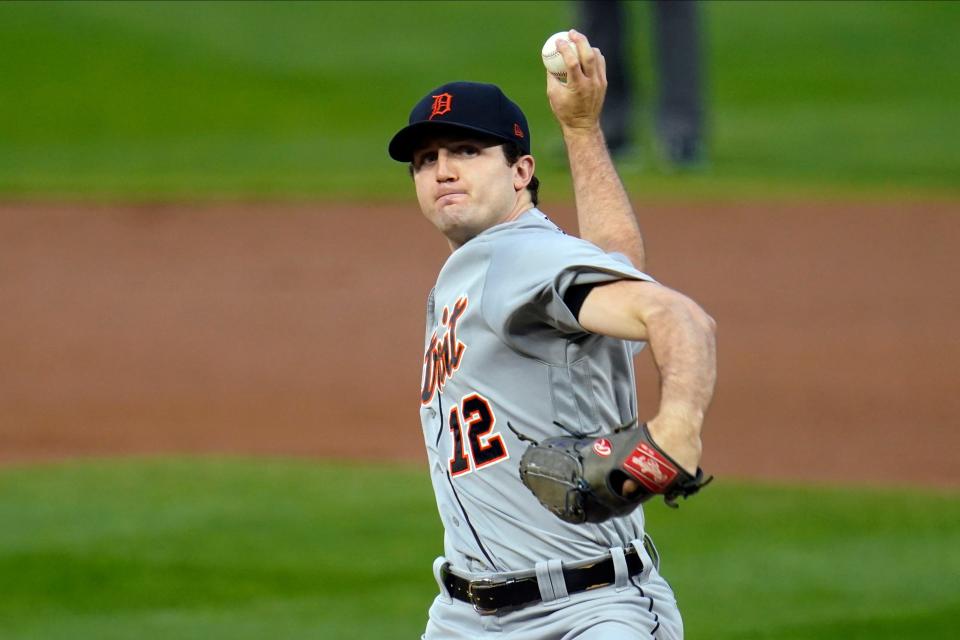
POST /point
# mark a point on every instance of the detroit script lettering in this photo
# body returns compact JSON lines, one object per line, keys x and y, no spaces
{"x":444,"y":353}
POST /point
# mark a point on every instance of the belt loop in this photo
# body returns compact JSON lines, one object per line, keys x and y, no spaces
{"x":553,"y":588}
{"x":555,"y":567}
{"x":437,"y":568}
{"x":652,"y":550}
{"x":542,"y":569}
{"x":621,"y":574}
{"x":644,"y":558}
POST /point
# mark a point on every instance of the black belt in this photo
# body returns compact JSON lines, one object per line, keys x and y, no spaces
{"x":489,"y":594}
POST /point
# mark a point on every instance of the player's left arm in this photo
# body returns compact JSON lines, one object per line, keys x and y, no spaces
{"x":604,"y":213}
{"x":682,"y":337}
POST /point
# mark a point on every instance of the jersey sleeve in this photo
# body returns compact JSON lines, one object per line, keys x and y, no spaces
{"x":528,"y":277}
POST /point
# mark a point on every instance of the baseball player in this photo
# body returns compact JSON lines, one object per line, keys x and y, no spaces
{"x":530,"y":336}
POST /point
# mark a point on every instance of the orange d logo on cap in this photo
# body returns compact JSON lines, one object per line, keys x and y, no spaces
{"x":441,"y":105}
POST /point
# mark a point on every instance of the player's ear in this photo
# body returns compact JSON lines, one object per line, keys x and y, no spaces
{"x":523,"y":170}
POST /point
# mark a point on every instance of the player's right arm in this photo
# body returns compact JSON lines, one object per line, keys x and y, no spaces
{"x":604,"y":213}
{"x":682,"y":338}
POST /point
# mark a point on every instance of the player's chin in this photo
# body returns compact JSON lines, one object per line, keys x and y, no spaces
{"x":443,"y":218}
{"x":453,"y":215}
{"x":456,"y":230}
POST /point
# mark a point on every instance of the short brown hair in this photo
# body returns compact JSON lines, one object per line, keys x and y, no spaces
{"x":512,"y":152}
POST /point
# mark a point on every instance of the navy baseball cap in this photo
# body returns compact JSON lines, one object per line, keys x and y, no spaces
{"x":462,"y":106}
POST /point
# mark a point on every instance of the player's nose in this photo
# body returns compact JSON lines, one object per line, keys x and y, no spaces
{"x":445,"y":167}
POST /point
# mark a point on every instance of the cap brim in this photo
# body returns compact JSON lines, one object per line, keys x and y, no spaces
{"x":407,"y":139}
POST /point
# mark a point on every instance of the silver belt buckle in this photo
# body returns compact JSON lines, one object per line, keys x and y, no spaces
{"x":481,"y":584}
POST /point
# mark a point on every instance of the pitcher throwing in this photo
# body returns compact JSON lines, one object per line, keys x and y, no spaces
{"x":538,"y":453}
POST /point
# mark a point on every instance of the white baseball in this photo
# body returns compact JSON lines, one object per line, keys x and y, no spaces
{"x":552,"y":59}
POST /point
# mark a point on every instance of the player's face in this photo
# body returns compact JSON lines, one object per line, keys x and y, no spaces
{"x":465,"y":185}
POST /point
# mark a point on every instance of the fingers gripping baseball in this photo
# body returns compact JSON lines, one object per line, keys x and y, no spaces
{"x":577,"y":102}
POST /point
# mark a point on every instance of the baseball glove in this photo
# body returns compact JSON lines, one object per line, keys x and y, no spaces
{"x":579,"y":479}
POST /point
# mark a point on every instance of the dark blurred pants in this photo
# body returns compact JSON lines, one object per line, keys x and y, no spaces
{"x":679,"y":101}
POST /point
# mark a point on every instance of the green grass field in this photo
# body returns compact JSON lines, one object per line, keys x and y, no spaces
{"x":255,"y":548}
{"x":112,"y":100}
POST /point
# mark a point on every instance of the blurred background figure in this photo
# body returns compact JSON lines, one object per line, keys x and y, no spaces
{"x":677,"y":61}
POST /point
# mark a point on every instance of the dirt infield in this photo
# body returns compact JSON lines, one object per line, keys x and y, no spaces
{"x":296,"y":329}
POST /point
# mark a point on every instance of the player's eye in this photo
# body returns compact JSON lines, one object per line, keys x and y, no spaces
{"x":426,"y":157}
{"x":468,"y":150}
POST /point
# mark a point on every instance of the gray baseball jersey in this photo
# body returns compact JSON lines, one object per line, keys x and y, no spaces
{"x":502,"y":347}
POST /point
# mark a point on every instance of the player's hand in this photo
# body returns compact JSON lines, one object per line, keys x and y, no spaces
{"x":578,"y":102}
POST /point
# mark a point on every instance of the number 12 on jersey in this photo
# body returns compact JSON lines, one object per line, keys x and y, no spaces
{"x":475,"y":444}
